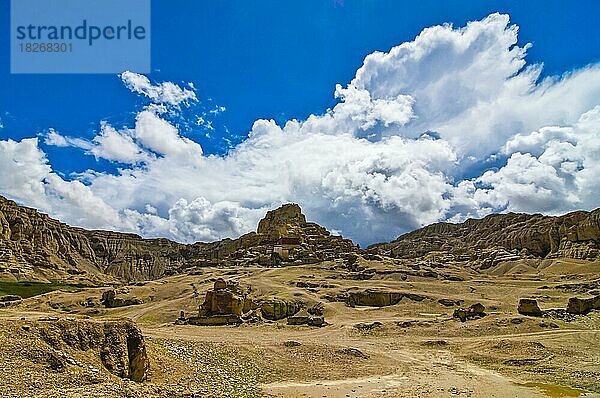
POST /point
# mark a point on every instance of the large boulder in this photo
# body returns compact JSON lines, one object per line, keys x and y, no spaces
{"x":276,"y":309}
{"x":373,"y":298}
{"x":215,"y":320}
{"x":111,"y":300}
{"x":475,"y":311}
{"x":300,"y":318}
{"x":316,"y":321}
{"x":304,"y":317}
{"x":223,"y":305}
{"x":449,"y":302}
{"x":226,"y":298}
{"x":582,"y":306}
{"x":529,"y":307}
{"x":222,"y":302}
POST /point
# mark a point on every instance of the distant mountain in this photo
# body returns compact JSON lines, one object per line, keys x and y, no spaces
{"x":34,"y":246}
{"x":502,"y":237}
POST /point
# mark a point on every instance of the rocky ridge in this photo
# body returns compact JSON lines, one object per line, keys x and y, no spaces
{"x":34,"y":246}
{"x":497,"y":238}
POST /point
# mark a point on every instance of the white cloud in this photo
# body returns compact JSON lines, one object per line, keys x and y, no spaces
{"x":109,"y":144}
{"x":24,"y":166}
{"x":217,"y":109}
{"x":208,"y":222}
{"x":472,"y":85}
{"x":53,"y":138}
{"x":164,"y":93}
{"x":556,"y":176}
{"x":160,"y":136}
{"x":117,"y":145}
{"x":27,"y":178}
{"x":411,"y":142}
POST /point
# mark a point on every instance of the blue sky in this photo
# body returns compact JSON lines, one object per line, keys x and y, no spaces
{"x":277,"y":60}
{"x":271,"y":59}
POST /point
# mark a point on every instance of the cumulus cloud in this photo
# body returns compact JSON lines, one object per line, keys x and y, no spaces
{"x":28,"y":178}
{"x":451,"y":125}
{"x":151,"y":137}
{"x":163,"y":138}
{"x":24,"y":167}
{"x":53,"y":138}
{"x":208,"y":221}
{"x":555,"y":176}
{"x":109,"y":144}
{"x":163,"y":93}
{"x":117,"y":145}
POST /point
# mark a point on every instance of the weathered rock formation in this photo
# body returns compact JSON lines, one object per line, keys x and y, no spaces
{"x":303,"y":317}
{"x":119,"y":344}
{"x":227,"y":297}
{"x":229,"y":303}
{"x":275,"y":309}
{"x":224,"y":304}
{"x":529,"y":307}
{"x":475,"y":311}
{"x":449,"y":302}
{"x":499,"y":238}
{"x":286,"y":221}
{"x":373,"y":298}
{"x":284,"y":237}
{"x":111,"y":300}
{"x":10,"y":297}
{"x":377,"y":298}
{"x":34,"y":246}
{"x":582,"y":306}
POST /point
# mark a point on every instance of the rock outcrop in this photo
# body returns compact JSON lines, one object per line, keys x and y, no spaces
{"x":10,"y":297}
{"x":449,"y":302}
{"x":34,"y":246}
{"x":111,"y":300}
{"x":275,"y":309}
{"x":223,"y":305}
{"x":499,"y":238}
{"x":119,"y":344}
{"x":377,"y":298}
{"x":475,"y":311}
{"x":373,"y":298}
{"x":284,"y":237}
{"x":529,"y":307}
{"x":303,"y":317}
{"x":285,"y":221}
{"x":227,"y":297}
{"x":229,"y":303}
{"x":582,"y":306}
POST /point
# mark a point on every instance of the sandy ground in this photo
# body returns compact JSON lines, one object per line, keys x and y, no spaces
{"x":418,"y":350}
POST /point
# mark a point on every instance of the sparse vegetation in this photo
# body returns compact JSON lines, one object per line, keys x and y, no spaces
{"x":30,"y":289}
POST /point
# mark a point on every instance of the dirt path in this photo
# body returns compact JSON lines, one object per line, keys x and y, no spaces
{"x":425,"y":372}
{"x":437,"y":381}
